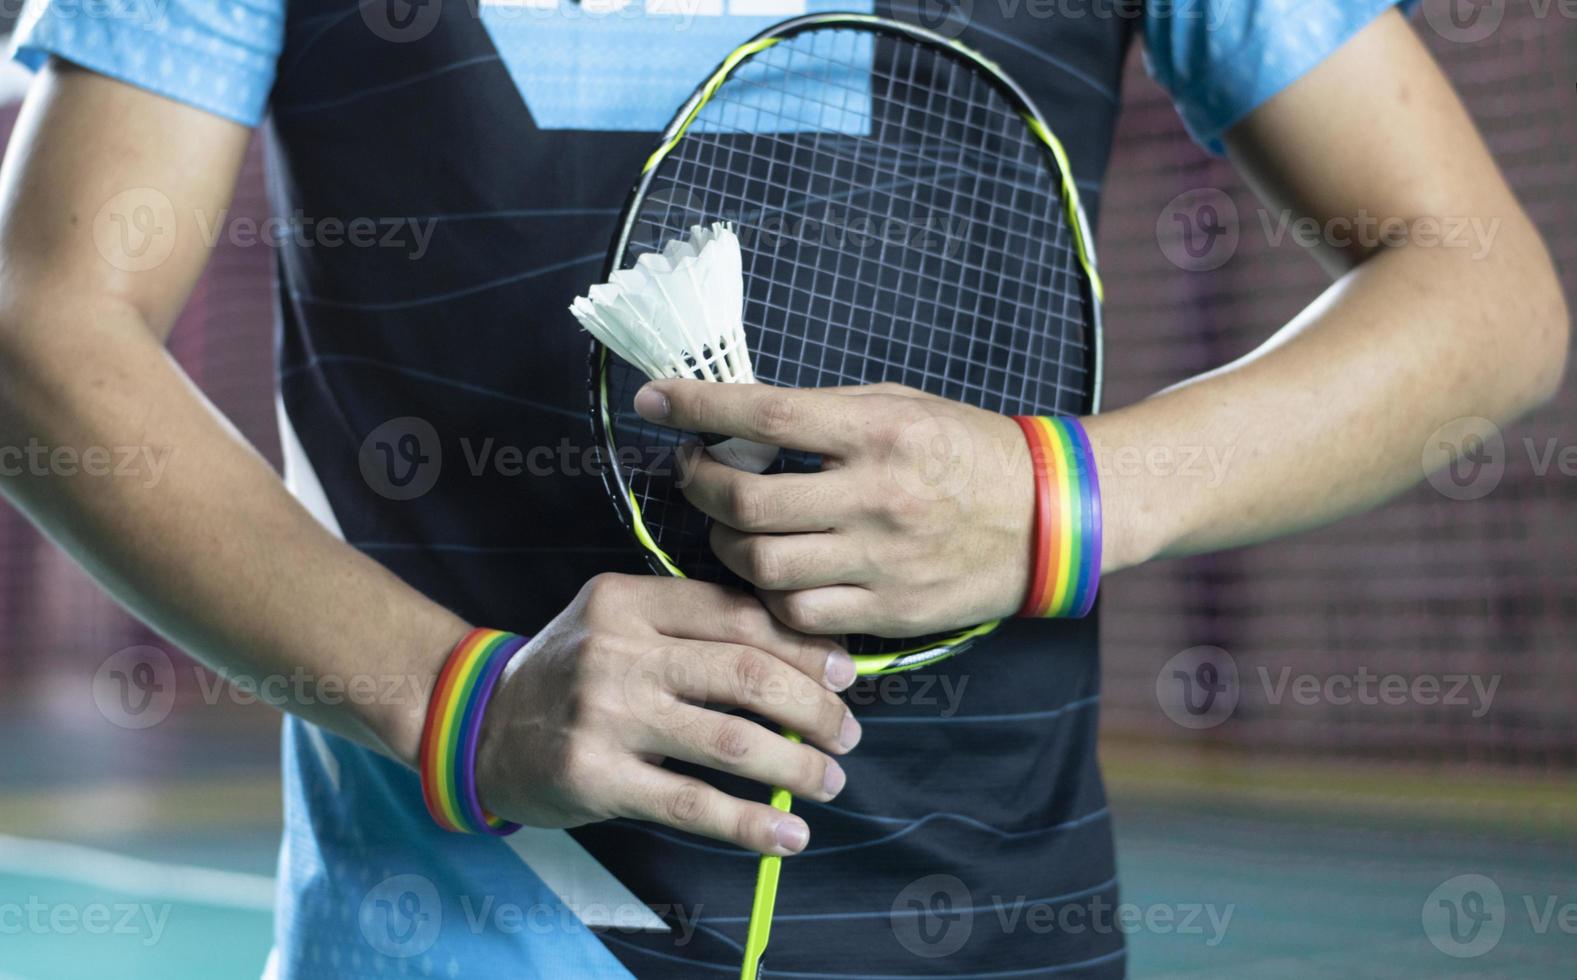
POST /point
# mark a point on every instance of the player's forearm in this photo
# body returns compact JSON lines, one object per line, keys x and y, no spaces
{"x":188,"y":527}
{"x":1330,"y":416}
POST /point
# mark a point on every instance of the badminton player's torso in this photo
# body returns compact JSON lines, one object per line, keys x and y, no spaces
{"x":513,"y":132}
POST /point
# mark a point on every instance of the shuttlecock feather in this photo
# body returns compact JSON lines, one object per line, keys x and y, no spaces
{"x":679,"y":313}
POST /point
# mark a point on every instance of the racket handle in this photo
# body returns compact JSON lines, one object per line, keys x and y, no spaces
{"x":760,"y":928}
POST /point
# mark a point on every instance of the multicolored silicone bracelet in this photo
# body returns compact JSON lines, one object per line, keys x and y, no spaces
{"x":454,"y":722}
{"x":1065,"y":554}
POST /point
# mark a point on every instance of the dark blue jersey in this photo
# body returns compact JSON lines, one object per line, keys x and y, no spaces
{"x":450,"y":173}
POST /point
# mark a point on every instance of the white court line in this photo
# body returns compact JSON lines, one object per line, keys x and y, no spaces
{"x":117,"y":872}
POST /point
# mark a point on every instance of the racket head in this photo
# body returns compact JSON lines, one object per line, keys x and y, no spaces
{"x":905,"y":214}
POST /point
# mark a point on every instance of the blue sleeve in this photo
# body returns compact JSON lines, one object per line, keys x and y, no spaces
{"x":216,"y":55}
{"x":1222,"y":59}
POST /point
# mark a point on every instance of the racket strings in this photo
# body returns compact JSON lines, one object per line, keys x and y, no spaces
{"x":898,"y":221}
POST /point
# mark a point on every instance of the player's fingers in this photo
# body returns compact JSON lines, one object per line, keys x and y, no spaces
{"x":778,"y":503}
{"x":685,"y":803}
{"x":744,"y":677}
{"x":832,"y":610}
{"x":881,"y":388}
{"x":795,"y":418}
{"x":733,"y":744}
{"x":687,"y":609}
{"x":789,"y":561}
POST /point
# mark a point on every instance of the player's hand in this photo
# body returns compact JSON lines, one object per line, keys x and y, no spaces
{"x":626,"y":677}
{"x":918,"y":521}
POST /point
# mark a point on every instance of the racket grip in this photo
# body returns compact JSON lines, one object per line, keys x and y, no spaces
{"x":767,"y":871}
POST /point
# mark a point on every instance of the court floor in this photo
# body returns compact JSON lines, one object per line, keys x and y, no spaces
{"x":174,"y":882}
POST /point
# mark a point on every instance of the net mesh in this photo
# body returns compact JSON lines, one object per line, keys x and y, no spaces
{"x":898,"y":222}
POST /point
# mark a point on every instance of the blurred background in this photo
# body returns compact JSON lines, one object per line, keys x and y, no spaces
{"x":1338,"y":740}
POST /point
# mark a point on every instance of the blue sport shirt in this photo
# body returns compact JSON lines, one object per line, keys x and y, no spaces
{"x":488,"y":146}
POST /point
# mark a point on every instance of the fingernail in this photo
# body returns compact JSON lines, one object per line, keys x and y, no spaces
{"x":791,"y":835}
{"x":839,"y":672}
{"x":849,"y":734}
{"x":651,"y":404}
{"x":833,"y":779}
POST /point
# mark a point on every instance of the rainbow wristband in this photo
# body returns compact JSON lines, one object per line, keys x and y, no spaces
{"x":454,"y":721}
{"x":1065,"y":554}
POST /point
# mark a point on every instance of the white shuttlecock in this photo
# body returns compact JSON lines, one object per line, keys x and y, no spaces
{"x":680,"y":314}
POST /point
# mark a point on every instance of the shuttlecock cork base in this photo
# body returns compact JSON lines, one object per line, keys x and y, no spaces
{"x":679,"y":313}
